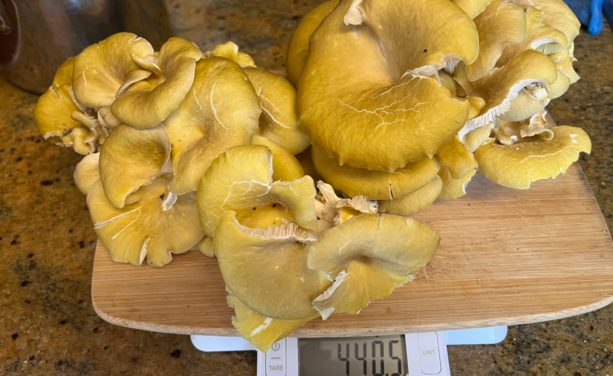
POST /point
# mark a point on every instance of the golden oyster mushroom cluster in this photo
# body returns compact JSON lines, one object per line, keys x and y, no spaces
{"x":187,"y":150}
{"x":404,"y":104}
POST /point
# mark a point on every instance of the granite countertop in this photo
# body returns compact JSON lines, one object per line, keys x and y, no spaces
{"x":47,"y":323}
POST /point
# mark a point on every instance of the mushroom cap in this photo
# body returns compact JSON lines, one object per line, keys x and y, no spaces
{"x":207,"y":247}
{"x":221,"y":110}
{"x":268,"y":273}
{"x":530,"y":100}
{"x":259,"y":330}
{"x":131,"y":158}
{"x":457,"y":157}
{"x":557,"y":15}
{"x":298,"y":48}
{"x":148,"y":227}
{"x":454,"y":188}
{"x":539,"y":37}
{"x":284,"y":165}
{"x":503,"y":85}
{"x":413,"y":202}
{"x":478,"y":136}
{"x":500,"y":23}
{"x":87,"y":172}
{"x":278,"y":120}
{"x":472,"y":7}
{"x":144,"y":105}
{"x":375,"y":184}
{"x":369,"y":256}
{"x":53,"y":112}
{"x":520,"y":164}
{"x":229,"y":50}
{"x":379,"y":111}
{"x":103,"y":68}
{"x":566,"y":73}
{"x":63,"y":75}
{"x":82,"y":140}
{"x":241,"y":180}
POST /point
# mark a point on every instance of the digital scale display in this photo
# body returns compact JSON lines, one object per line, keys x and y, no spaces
{"x":353,"y":356}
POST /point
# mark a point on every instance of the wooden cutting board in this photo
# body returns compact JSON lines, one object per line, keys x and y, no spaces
{"x":506,"y":257}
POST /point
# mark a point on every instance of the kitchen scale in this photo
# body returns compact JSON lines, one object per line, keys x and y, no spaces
{"x":506,"y":257}
{"x":413,"y":354}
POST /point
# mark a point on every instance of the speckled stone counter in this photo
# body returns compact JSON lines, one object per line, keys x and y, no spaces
{"x":47,"y":324}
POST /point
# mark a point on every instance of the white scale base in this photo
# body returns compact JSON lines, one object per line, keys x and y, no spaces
{"x":426,"y":352}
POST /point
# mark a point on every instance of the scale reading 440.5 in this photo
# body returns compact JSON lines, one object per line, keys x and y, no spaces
{"x":414,"y":354}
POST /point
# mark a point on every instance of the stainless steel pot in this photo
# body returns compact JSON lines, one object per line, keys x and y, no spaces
{"x":36,"y":36}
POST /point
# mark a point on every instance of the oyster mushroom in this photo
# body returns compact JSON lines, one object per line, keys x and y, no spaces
{"x":87,"y":172}
{"x":278,"y":120}
{"x":379,"y":111}
{"x":147,"y":103}
{"x":415,"y":201}
{"x":132,"y":158}
{"x":229,"y":50}
{"x":521,"y":163}
{"x":148,"y":227}
{"x":221,"y":110}
{"x":284,"y":165}
{"x":375,"y":184}
{"x":368,"y":257}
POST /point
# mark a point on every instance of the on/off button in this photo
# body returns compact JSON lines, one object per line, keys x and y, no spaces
{"x":275,"y":359}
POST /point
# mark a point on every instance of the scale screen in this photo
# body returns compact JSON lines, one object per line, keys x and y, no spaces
{"x":353,"y":356}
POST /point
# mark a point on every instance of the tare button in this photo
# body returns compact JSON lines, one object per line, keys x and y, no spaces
{"x":429,"y":357}
{"x":276,"y":364}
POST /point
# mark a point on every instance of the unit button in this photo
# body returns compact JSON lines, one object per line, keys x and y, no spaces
{"x":275,"y":359}
{"x":429,"y":358}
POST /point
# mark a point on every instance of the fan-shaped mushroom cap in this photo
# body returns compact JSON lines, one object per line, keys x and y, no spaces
{"x":379,"y":111}
{"x":557,"y":15}
{"x":530,"y":100}
{"x":207,"y":247}
{"x":267,"y":270}
{"x":229,"y":50}
{"x":241,"y":180}
{"x":454,"y":188}
{"x":259,"y":330}
{"x":132,"y":158}
{"x":457,"y":157}
{"x":375,"y":184}
{"x":500,"y":24}
{"x":63,"y":75}
{"x":539,"y":37}
{"x":413,"y":202}
{"x":284,"y":165}
{"x":221,"y":110}
{"x":102,"y":69}
{"x":145,"y":105}
{"x":369,"y":256}
{"x":508,"y":133}
{"x":520,"y":164}
{"x":298,"y":48}
{"x":503,"y":85}
{"x":87,"y":172}
{"x":472,"y":7}
{"x":278,"y":120}
{"x":53,"y":112}
{"x":148,"y":227}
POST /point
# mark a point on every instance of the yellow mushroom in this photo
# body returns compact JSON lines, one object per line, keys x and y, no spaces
{"x":383,"y":110}
{"x":368,"y":257}
{"x":221,"y":110}
{"x":375,"y":184}
{"x":131,"y":158}
{"x":415,"y":201}
{"x":285,"y":166}
{"x":452,"y":187}
{"x":147,"y":103}
{"x":229,"y":50}
{"x":520,"y":164}
{"x":87,"y":172}
{"x":151,"y":227}
{"x":472,"y":7}
{"x":298,"y":48}
{"x":278,"y":120}
{"x":241,"y":180}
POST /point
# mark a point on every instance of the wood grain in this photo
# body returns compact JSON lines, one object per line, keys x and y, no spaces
{"x":506,"y":257}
